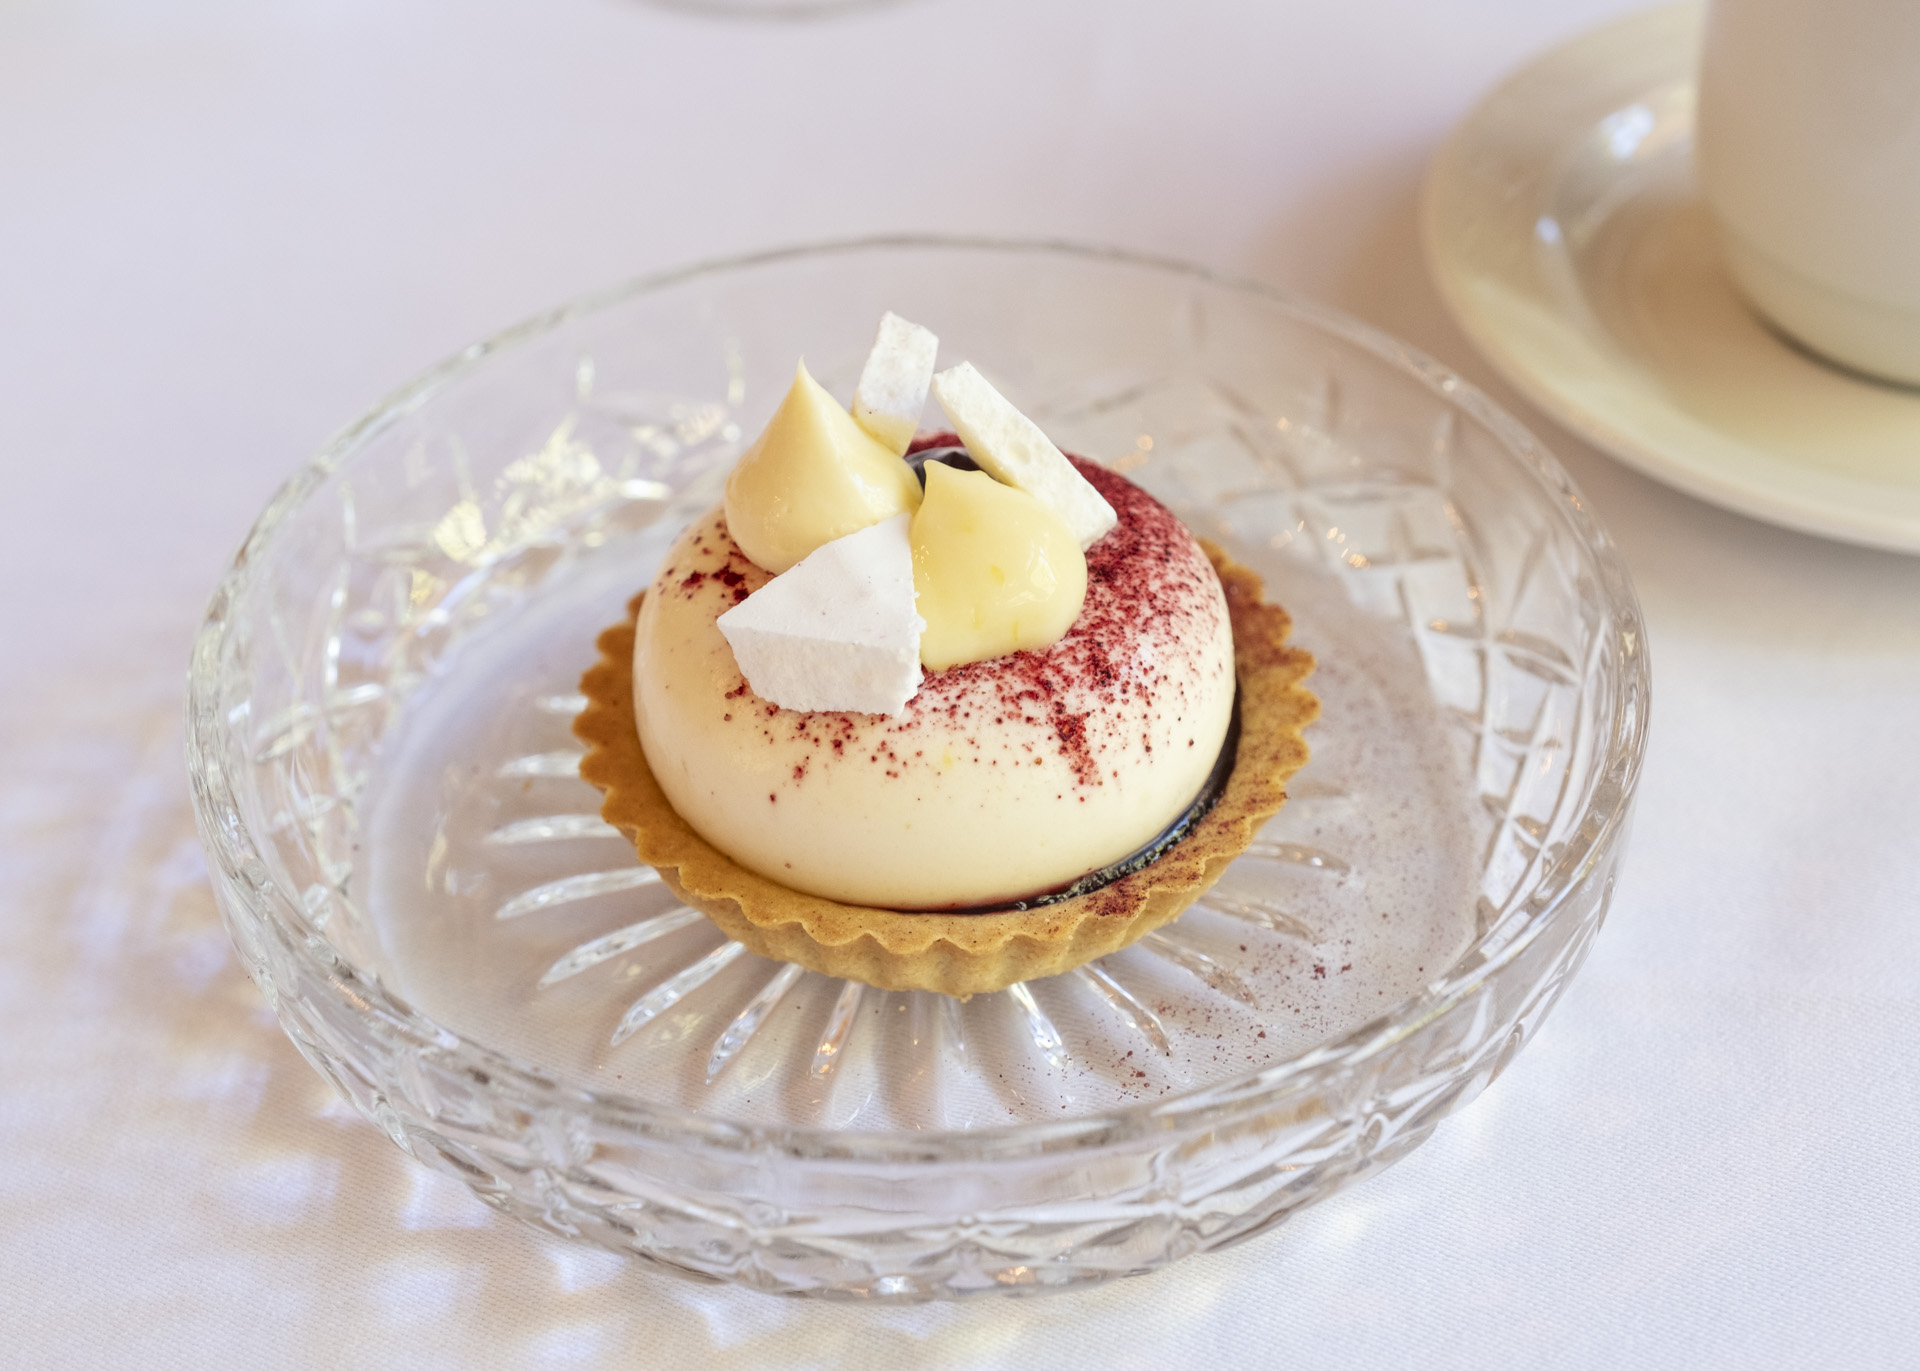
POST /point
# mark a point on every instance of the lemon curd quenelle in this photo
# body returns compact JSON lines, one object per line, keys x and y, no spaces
{"x":913,"y":709}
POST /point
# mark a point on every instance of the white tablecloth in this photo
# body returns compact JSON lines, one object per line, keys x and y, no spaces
{"x":225,"y":228}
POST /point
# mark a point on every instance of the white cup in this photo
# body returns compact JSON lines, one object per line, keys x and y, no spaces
{"x":1808,"y":143}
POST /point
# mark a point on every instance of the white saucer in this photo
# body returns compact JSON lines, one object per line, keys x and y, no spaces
{"x":1564,"y":230}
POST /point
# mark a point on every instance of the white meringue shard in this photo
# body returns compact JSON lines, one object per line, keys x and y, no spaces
{"x":893,"y":384}
{"x":1011,"y":448}
{"x":838,"y":630}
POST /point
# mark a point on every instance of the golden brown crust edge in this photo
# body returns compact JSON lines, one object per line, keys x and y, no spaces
{"x":961,"y":954}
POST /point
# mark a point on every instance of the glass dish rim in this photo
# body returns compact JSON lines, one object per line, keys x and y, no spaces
{"x":1606,"y":808}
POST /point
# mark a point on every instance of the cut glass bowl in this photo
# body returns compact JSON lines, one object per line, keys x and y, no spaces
{"x":420,"y":883}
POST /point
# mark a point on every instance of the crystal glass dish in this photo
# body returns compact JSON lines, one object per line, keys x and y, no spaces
{"x":421,"y":885}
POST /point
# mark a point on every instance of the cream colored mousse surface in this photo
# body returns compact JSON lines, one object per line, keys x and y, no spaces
{"x":1001,"y":780}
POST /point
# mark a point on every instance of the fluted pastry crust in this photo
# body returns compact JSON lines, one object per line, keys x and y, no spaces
{"x":962,"y":954}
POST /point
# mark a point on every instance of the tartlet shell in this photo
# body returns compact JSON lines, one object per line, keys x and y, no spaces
{"x":961,"y":954}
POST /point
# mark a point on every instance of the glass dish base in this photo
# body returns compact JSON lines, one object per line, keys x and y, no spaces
{"x":508,"y":910}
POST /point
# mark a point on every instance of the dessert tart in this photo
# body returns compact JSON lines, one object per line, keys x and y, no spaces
{"x":948,"y":740}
